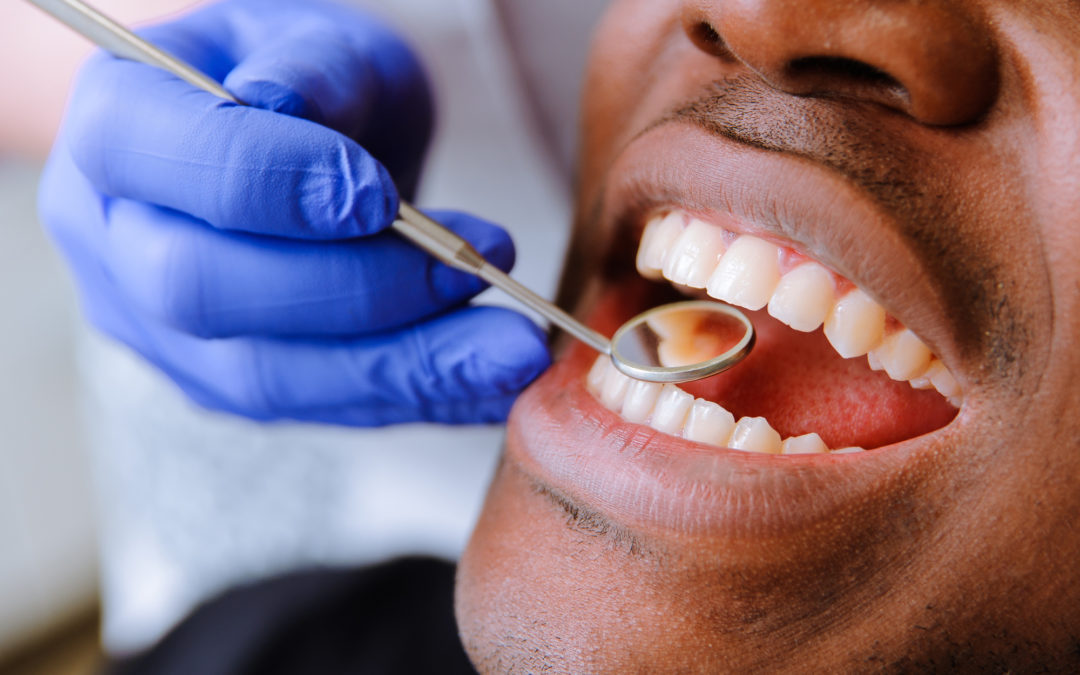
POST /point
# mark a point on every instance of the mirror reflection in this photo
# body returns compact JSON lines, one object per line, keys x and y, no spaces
{"x":684,"y":336}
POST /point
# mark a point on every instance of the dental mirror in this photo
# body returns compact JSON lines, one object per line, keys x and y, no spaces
{"x":682,"y":341}
{"x":679,"y":342}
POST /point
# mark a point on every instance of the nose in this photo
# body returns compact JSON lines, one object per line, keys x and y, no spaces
{"x":928,"y":59}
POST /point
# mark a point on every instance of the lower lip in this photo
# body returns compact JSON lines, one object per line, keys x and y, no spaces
{"x":646,"y":480}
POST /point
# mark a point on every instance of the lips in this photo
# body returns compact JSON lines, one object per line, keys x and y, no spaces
{"x":792,"y":232}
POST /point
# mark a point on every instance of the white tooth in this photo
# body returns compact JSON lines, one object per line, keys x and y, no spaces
{"x":657,"y":239}
{"x":804,"y":297}
{"x":747,"y":274}
{"x":847,"y":451}
{"x":873,"y":361}
{"x":755,"y":435}
{"x":694,"y":254}
{"x":671,"y":408}
{"x":856,"y":325}
{"x":640,"y":399}
{"x":598,"y":373}
{"x":645,"y":246}
{"x":942,"y":379}
{"x":903,"y":356}
{"x":807,"y":444}
{"x":921,"y":382}
{"x":614,"y":390}
{"x":709,"y":423}
{"x":957,"y":401}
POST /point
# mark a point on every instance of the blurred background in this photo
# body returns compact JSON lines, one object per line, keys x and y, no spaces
{"x":48,"y":554}
{"x":77,"y":415}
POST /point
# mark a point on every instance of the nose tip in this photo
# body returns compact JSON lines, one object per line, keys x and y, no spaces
{"x":929,"y":60}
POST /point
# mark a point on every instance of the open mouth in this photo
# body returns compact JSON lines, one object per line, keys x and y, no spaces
{"x":842,"y":401}
{"x":832,"y":371}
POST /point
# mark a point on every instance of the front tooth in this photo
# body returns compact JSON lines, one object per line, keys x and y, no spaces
{"x":614,"y":390}
{"x":804,"y":297}
{"x":856,"y":325}
{"x":693,"y":256}
{"x":640,"y":399}
{"x":873,"y":361}
{"x":755,"y":435}
{"x":903,"y":356}
{"x":847,"y":451}
{"x":807,"y":444}
{"x":709,"y":423}
{"x":671,"y":409}
{"x":747,"y":274}
{"x":657,"y":238}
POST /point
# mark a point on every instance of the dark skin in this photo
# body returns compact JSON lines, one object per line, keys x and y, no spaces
{"x":955,"y":125}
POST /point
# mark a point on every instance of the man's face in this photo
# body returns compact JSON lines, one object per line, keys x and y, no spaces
{"x":905,"y":172}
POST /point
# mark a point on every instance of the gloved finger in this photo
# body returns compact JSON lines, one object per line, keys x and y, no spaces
{"x":322,"y":61}
{"x":335,"y":66}
{"x":462,"y":367}
{"x":216,"y":36}
{"x":139,"y":133}
{"x":311,"y":73}
{"x":219,"y":284}
{"x":366,"y":85}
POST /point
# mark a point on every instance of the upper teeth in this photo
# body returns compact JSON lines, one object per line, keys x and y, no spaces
{"x":750,"y":272}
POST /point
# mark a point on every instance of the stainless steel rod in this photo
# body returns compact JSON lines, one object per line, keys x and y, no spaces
{"x":504,"y":282}
{"x":455,"y":251}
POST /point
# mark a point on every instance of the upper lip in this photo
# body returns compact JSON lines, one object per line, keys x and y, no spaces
{"x":788,"y":199}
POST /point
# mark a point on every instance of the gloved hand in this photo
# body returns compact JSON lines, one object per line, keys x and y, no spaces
{"x":240,"y":249}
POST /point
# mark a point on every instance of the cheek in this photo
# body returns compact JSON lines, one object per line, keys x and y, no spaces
{"x":534,"y":595}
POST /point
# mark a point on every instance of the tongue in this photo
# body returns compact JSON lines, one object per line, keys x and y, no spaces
{"x":800,"y":385}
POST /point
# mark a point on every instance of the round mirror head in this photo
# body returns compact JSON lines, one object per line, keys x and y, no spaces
{"x":683,"y":341}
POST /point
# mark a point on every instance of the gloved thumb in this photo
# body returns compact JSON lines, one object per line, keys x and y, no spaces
{"x":344,"y":81}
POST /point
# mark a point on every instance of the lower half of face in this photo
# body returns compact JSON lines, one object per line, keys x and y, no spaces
{"x":891,"y":479}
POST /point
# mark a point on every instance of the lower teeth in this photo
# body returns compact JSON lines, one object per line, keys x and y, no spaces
{"x":671,"y":410}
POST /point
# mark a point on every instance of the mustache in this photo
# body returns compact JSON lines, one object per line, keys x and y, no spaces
{"x":846,"y":136}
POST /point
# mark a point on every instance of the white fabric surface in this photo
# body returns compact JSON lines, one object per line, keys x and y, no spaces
{"x":193,"y":502}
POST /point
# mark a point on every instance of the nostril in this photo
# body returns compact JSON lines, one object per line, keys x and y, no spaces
{"x":844,"y":76}
{"x":839,"y":67}
{"x":705,"y":36}
{"x":706,"y":33}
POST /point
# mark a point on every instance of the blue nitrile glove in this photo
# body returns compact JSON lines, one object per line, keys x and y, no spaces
{"x":240,"y":249}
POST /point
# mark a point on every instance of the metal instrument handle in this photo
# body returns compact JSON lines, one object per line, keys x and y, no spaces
{"x":456,"y":252}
